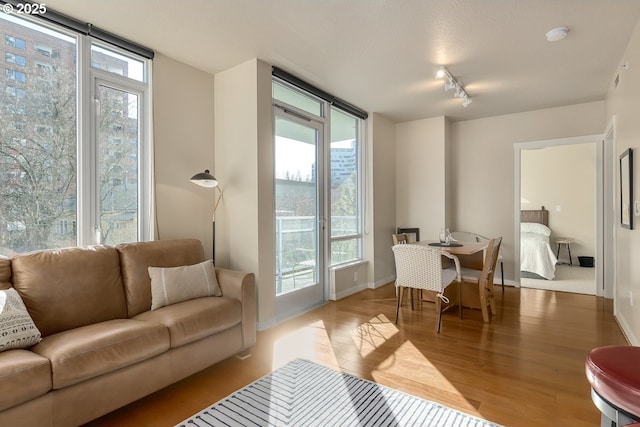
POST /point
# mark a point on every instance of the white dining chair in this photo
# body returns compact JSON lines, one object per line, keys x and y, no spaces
{"x":420,"y":267}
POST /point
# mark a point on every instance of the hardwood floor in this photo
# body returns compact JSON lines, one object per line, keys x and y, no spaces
{"x":526,"y":368}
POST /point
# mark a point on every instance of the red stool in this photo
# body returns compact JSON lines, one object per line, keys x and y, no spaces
{"x":614,"y":375}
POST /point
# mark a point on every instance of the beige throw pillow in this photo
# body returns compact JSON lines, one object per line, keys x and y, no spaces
{"x":175,"y":284}
{"x":17,"y":329}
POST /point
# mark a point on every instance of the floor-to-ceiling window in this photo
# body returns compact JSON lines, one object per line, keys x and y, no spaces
{"x":318,"y":196}
{"x":345,"y":188}
{"x":74,"y":144}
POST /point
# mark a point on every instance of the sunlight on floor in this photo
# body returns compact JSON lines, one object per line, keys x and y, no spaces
{"x":416,"y":368}
{"x":408,"y":368}
{"x":309,"y":342}
{"x":371,"y":335}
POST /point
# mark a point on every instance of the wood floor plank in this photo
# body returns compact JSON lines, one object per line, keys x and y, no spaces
{"x":525,"y":368}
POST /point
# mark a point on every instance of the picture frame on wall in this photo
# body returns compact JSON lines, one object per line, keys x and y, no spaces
{"x":626,"y":189}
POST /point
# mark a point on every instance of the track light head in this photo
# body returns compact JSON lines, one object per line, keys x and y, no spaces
{"x":449,"y":84}
{"x":452,"y":83}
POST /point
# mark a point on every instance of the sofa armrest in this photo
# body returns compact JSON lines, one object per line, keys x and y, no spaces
{"x":241,"y":286}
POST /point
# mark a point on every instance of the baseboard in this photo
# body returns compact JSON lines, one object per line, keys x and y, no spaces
{"x":507,"y":283}
{"x":281,"y":317}
{"x":263,"y":326}
{"x":627,"y":331}
{"x":381,"y":282}
{"x":352,"y":290}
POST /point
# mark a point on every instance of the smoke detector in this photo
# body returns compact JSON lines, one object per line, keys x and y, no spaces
{"x":557,"y":34}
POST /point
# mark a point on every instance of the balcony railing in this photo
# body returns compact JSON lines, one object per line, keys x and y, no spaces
{"x":296,"y":249}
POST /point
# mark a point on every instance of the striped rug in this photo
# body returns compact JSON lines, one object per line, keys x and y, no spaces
{"x":303,"y":393}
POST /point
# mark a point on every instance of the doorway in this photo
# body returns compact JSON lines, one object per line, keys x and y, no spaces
{"x":568,"y":215}
{"x":299,"y":219}
{"x":318,"y":195}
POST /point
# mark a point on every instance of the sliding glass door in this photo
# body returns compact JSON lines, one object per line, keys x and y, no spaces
{"x":299,"y":220}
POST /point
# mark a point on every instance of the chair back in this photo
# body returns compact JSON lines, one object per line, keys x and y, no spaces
{"x":400,"y":239}
{"x":418,"y":267}
{"x":490,"y":260}
{"x":465,"y":236}
{"x":413,"y":233}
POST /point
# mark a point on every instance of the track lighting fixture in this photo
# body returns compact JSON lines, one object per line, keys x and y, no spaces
{"x":449,"y":84}
{"x":452,"y":83}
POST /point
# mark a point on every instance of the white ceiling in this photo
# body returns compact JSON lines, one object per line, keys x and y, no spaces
{"x":382,"y":55}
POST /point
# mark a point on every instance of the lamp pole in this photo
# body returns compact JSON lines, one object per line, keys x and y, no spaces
{"x":207,"y":180}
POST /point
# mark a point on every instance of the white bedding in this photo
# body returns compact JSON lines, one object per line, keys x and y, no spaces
{"x":536,"y":255}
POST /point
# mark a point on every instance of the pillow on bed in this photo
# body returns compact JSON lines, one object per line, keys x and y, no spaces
{"x":534,"y":227}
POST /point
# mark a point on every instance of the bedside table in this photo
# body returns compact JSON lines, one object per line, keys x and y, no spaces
{"x":567,"y":241}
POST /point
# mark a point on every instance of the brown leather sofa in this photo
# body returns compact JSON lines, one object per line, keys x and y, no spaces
{"x":102,"y":347}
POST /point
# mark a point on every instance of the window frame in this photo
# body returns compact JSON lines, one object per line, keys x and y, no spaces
{"x":87,"y":210}
{"x":12,"y":41}
{"x":12,"y":74}
{"x":89,"y":228}
{"x":360,"y":187}
{"x":325,"y":119}
{"x":14,"y":56}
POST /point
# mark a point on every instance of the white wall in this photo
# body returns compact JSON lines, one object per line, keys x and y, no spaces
{"x":244,"y":167}
{"x":380,"y":220}
{"x":622,"y":102}
{"x":483,"y":169}
{"x":565,"y":177}
{"x":421,"y":175}
{"x":347,"y":280}
{"x":184,"y":140}
{"x":402,"y":187}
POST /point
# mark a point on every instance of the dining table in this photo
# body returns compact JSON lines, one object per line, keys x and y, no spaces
{"x":457,"y":248}
{"x":471,"y":255}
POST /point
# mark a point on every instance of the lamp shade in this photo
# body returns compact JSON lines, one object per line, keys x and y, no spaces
{"x":204,"y":179}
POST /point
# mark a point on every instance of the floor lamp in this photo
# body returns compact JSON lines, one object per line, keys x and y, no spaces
{"x":205,"y":179}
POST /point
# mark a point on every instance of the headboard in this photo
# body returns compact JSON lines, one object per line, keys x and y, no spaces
{"x":540,"y":216}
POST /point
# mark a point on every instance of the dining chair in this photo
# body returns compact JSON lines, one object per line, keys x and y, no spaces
{"x":466,"y":236}
{"x":403,"y":239}
{"x":400,"y":239}
{"x":484,"y":278}
{"x":420,"y":267}
{"x":413,"y":233}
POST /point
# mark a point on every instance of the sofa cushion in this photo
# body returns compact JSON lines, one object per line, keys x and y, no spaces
{"x":136,"y":258}
{"x":176,"y":284}
{"x":192,"y":320}
{"x":17,"y":330}
{"x":5,"y":272}
{"x":24,"y":375}
{"x":68,"y":288}
{"x":83,"y":353}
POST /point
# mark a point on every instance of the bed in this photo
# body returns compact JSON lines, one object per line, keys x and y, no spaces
{"x":537,"y":259}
